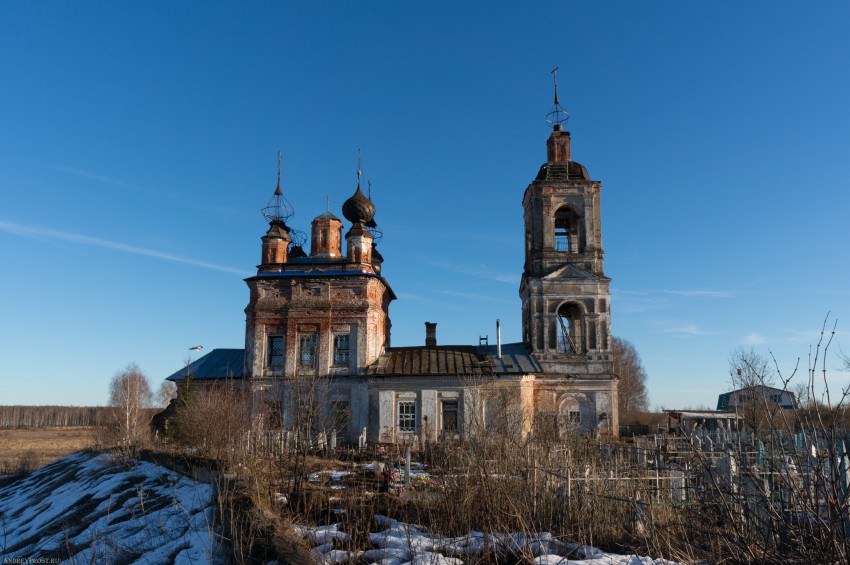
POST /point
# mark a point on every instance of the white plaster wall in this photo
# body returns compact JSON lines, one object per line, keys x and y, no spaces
{"x":386,"y":416}
{"x":428,"y":414}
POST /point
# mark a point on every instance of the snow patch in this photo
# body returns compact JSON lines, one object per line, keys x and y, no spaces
{"x":98,"y":509}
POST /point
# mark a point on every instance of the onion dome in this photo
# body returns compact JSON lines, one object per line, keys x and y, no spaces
{"x":358,"y":209}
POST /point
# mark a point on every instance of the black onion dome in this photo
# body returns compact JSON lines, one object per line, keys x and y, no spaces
{"x":358,"y":209}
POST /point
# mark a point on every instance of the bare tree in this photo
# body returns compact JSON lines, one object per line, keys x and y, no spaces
{"x":166,"y":393}
{"x":130,"y":396}
{"x":213,"y":421}
{"x":633,"y":396}
{"x":749,"y":368}
{"x":751,"y":373}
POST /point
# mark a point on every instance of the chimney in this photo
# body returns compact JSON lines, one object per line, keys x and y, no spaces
{"x":498,"y":339}
{"x":430,"y":334}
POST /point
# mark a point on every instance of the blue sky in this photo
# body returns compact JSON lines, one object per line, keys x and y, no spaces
{"x":138,"y":143}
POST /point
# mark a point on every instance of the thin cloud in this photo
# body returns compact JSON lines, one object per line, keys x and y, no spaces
{"x":639,"y":301}
{"x":88,"y":175}
{"x":35,"y":232}
{"x":696,"y":293}
{"x":417,"y":297}
{"x":637,"y":304}
{"x":480,"y":271}
{"x":754,"y":338}
{"x":797,"y":336}
{"x":477,"y":297}
{"x":684,"y":329}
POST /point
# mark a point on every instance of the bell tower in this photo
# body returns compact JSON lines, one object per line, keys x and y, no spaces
{"x":566,"y":316}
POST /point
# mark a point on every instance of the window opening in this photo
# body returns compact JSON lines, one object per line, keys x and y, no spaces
{"x":274,"y":418}
{"x":341,"y":342}
{"x":567,"y":231}
{"x":407,"y":416}
{"x":450,"y":422}
{"x":307,"y":350}
{"x":277,"y":349}
{"x":562,"y":239}
{"x":570,"y":339}
{"x":342,"y":415}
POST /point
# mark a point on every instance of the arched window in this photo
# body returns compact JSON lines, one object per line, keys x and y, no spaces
{"x":570,"y":329}
{"x":567,"y":231}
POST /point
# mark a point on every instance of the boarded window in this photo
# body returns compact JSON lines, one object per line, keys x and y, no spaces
{"x":407,"y":416}
{"x":277,"y":348}
{"x":341,"y":342}
{"x":307,"y":350}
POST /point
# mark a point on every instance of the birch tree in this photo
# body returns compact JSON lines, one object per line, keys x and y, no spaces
{"x":130,"y":396}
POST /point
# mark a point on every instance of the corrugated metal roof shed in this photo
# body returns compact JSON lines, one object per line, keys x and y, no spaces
{"x":217,"y":364}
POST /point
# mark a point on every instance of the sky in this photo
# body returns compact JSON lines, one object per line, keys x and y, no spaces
{"x":138,"y":144}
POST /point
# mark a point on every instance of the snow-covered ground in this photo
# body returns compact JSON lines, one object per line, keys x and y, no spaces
{"x":400,"y":543}
{"x":91,"y":508}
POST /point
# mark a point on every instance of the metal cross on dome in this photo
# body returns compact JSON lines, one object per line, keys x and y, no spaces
{"x":558,"y":116}
{"x":278,"y":209}
{"x":359,"y":167}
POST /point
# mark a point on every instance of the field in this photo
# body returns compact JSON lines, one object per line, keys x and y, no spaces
{"x":30,"y":448}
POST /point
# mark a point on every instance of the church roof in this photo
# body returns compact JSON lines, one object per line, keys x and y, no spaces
{"x":439,"y":360}
{"x":217,"y":364}
{"x":516,"y":358}
{"x":327,"y":216}
{"x":460,"y":360}
{"x":562,"y":172}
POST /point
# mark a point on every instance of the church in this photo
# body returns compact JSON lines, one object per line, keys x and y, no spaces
{"x":318,"y":356}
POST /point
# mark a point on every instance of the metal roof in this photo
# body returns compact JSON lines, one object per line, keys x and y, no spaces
{"x":217,"y":364}
{"x":439,"y":360}
{"x":327,"y":216}
{"x":444,"y":360}
{"x":516,"y":358}
{"x":455,"y":360}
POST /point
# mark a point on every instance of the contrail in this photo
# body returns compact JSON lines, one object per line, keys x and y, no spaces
{"x":37,"y":232}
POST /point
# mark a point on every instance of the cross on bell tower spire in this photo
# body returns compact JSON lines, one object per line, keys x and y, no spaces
{"x":278,"y":191}
{"x":555,"y":76}
{"x":558,"y":116}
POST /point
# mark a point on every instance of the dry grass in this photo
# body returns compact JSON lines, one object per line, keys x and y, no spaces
{"x":30,"y":448}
